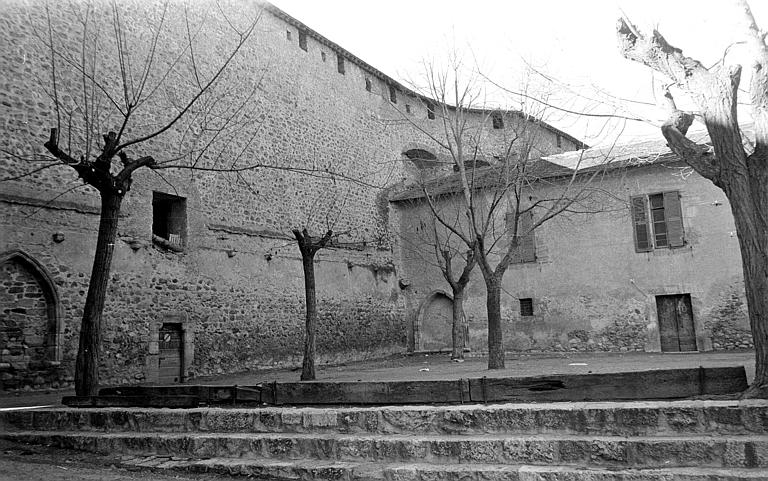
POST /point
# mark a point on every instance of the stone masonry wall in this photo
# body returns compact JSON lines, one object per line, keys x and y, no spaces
{"x":238,"y":280}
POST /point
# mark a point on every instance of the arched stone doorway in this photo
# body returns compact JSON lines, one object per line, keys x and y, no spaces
{"x":435,"y":322}
{"x":30,"y":322}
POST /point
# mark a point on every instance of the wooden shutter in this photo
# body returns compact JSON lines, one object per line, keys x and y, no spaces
{"x":673,"y":216}
{"x":527,"y":241}
{"x":640,"y":222}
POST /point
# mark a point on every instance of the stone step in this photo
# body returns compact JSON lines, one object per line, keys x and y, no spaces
{"x":610,"y":419}
{"x":350,"y":471}
{"x":745,"y":451}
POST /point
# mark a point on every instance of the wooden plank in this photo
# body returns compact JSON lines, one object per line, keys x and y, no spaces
{"x":661,"y":384}
{"x":395,"y":392}
{"x":132,"y":401}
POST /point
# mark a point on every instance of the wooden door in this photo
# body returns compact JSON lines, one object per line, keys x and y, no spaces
{"x":436,"y":324}
{"x":676,"y":323}
{"x":171,"y":354}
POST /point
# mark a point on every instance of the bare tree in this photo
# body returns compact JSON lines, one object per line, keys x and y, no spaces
{"x":438,"y":246}
{"x":741,"y":172}
{"x":153,"y":87}
{"x":497,"y":189}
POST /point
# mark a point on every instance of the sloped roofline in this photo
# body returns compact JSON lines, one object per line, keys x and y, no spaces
{"x":390,"y":81}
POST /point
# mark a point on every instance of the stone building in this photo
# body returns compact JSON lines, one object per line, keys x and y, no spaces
{"x":205,"y":277}
{"x":655,"y":267}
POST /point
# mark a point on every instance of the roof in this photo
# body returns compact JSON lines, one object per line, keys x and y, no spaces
{"x":389,"y":80}
{"x":480,"y":177}
{"x":553,"y":166}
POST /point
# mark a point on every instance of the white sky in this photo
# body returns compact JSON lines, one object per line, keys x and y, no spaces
{"x":573,"y":41}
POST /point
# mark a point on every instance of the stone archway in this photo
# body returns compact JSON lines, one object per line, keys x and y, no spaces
{"x":30,"y":319}
{"x":435,"y":319}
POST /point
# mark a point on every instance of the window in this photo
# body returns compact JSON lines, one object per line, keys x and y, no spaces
{"x":288,"y":35}
{"x":526,"y":241}
{"x":323,"y":56}
{"x":526,"y":307}
{"x":392,"y":94}
{"x":498,"y":120}
{"x":408,"y":108}
{"x":169,"y":221}
{"x":368,"y":85}
{"x":430,"y":111}
{"x":421,"y":158}
{"x":559,"y":141}
{"x":303,"y":40}
{"x":340,"y":64}
{"x":657,"y":221}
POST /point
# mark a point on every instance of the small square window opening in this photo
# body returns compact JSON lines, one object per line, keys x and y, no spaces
{"x":288,"y":35}
{"x":526,"y":307}
{"x":498,"y":120}
{"x":169,"y":221}
{"x":322,"y":56}
{"x":303,"y":40}
{"x":392,"y":94}
{"x":368,"y":85}
{"x":340,"y":64}
{"x":559,"y":141}
{"x":408,"y":108}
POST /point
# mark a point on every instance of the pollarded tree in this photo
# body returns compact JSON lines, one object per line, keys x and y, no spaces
{"x":742,"y":173}
{"x":140,"y":86}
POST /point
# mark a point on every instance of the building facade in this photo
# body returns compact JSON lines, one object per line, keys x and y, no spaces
{"x":206,"y":278}
{"x":654,"y":267}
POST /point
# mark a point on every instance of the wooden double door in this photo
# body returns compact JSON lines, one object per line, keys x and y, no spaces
{"x":676,"y":323}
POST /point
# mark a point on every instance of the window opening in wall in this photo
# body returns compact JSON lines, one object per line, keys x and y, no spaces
{"x":526,"y":239}
{"x":368,"y":85}
{"x":658,"y":221}
{"x":288,"y":35}
{"x":392,"y":94}
{"x":303,"y":40}
{"x":423,"y":159}
{"x":408,"y":108}
{"x":498,"y":120}
{"x":526,"y":307}
{"x":430,"y":111}
{"x":340,"y":64}
{"x":169,"y":221}
{"x":559,"y":141}
{"x":322,"y":56}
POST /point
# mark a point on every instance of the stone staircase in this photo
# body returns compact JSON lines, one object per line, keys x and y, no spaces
{"x":670,"y":440}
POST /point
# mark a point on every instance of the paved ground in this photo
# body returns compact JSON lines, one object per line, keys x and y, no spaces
{"x":439,"y":366}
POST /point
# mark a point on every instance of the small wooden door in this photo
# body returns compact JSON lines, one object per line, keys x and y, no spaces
{"x":676,"y":323}
{"x":171,"y":354}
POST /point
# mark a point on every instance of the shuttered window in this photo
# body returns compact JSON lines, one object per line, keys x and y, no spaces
{"x":657,"y":221}
{"x":526,"y":240}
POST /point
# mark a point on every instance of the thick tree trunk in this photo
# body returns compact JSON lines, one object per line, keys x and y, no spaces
{"x":308,"y":364}
{"x":753,"y":219}
{"x":457,"y":353}
{"x":87,"y":363}
{"x":495,"y":337}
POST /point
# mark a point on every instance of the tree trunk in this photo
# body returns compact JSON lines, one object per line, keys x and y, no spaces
{"x":495,"y":337}
{"x":458,"y":324}
{"x":87,"y":363}
{"x":308,"y":364}
{"x":751,"y":218}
